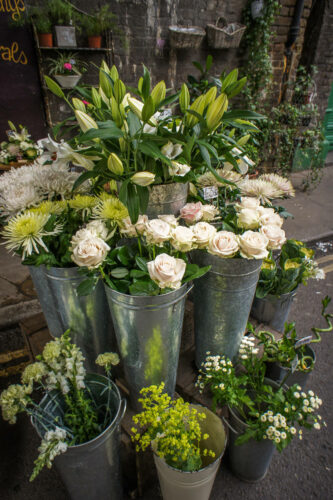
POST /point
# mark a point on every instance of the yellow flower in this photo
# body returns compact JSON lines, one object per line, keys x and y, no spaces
{"x":110,"y":208}
{"x":268,"y":264}
{"x":49,"y":207}
{"x":82,"y":202}
{"x":307,"y":252}
{"x":291,"y":264}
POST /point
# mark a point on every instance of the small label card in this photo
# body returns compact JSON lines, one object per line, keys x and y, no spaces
{"x":210,"y":192}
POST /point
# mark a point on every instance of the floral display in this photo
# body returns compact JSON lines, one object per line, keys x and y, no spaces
{"x":59,"y":367}
{"x":19,"y":147}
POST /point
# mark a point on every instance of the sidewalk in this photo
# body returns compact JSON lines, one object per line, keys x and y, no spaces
{"x":312,"y":220}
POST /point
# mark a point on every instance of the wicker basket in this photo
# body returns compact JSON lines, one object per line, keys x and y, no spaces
{"x":186,"y":37}
{"x":226,"y":36}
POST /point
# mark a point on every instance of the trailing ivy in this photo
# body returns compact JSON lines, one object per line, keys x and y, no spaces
{"x":256,"y":42}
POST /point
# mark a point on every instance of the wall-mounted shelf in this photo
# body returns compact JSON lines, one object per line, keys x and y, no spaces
{"x":75,"y":49}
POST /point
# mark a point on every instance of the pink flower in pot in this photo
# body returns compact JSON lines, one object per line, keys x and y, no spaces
{"x":68,"y":66}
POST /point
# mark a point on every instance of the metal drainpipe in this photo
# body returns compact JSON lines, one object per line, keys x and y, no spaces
{"x":292,"y":36}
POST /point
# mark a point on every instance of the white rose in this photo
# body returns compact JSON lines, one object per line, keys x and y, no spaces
{"x":80,"y":235}
{"x":170,"y":219}
{"x":157,"y":231}
{"x":141,"y":223}
{"x":90,"y":252}
{"x":253,"y":245}
{"x":274,"y":219}
{"x":179,"y":169}
{"x":98,"y":228}
{"x":265,"y":211}
{"x":248,"y":202}
{"x":224,"y":244}
{"x":167,"y":271}
{"x":276,"y":236}
{"x":182,"y":239}
{"x":191,"y":212}
{"x":203,"y":232}
{"x":248,"y":218}
{"x":127,"y":229}
{"x":209,"y":212}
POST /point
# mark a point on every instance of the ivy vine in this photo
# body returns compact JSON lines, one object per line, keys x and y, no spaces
{"x":256,"y":42}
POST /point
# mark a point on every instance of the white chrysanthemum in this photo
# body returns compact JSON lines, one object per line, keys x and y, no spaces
{"x":281,"y":183}
{"x":264,"y":190}
{"x":25,"y":232}
{"x":19,"y":196}
{"x":208,"y":179}
{"x":54,"y":181}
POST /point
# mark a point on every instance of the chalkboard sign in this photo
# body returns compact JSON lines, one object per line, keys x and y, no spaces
{"x":20,"y":91}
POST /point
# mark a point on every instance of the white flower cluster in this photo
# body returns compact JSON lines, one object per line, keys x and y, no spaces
{"x":279,"y":429}
{"x":247,"y":348}
{"x":53,"y":444}
{"x":267,"y":187}
{"x":13,"y":400}
{"x":214,"y":364}
{"x":309,"y":402}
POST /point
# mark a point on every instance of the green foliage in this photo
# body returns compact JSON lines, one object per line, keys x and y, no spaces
{"x":100,"y":20}
{"x":56,"y":66}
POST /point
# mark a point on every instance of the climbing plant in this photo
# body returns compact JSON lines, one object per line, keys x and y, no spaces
{"x":256,"y":44}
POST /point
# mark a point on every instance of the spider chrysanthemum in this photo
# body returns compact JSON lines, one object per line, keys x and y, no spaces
{"x":263,"y":190}
{"x":110,"y":208}
{"x":281,"y":183}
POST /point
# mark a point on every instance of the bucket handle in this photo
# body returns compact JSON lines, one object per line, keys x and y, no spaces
{"x":122,"y":410}
{"x":226,"y":422}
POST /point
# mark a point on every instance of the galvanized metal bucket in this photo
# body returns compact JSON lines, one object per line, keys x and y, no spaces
{"x":249,"y":461}
{"x":45,"y":298}
{"x":91,"y":470}
{"x":167,"y":199}
{"x":148,"y":331}
{"x":222,"y":303}
{"x":276,"y":372}
{"x":88,"y":317}
{"x":179,"y":485}
{"x":273,"y":310}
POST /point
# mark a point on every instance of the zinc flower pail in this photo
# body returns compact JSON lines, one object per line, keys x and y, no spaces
{"x":91,"y":470}
{"x":277,"y":372}
{"x":88,"y":317}
{"x":273,"y":310}
{"x":167,"y":199}
{"x":179,"y":485}
{"x":148,"y":331}
{"x":222,"y":303}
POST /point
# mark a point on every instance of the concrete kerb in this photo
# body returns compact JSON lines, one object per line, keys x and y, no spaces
{"x":12,"y":314}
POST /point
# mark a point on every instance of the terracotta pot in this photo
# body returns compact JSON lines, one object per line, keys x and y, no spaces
{"x":95,"y":41}
{"x":45,"y":39}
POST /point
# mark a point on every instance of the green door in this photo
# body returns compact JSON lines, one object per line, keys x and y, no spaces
{"x":328,"y":121}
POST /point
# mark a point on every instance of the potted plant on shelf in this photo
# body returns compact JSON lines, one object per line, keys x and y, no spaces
{"x":39,"y":17}
{"x":279,"y":280}
{"x":67,"y":69}
{"x":146,"y":282}
{"x":63,"y":17}
{"x":262,"y":414}
{"x":97,"y":23}
{"x":188,"y":442}
{"x":289,"y":359}
{"x":77,"y":418}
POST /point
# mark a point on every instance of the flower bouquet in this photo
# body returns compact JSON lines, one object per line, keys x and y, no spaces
{"x":19,"y":147}
{"x":185,"y":438}
{"x":76,"y":410}
{"x":262,"y":414}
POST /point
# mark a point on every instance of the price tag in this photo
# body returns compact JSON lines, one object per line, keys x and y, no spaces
{"x":210,"y":192}
{"x":303,"y":341}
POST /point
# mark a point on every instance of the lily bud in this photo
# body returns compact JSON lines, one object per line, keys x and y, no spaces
{"x":114,"y":73}
{"x":103,"y":97}
{"x":105,"y":83}
{"x":96,"y":98}
{"x":119,"y":90}
{"x":116,"y":115}
{"x":85,"y":121}
{"x":136,"y":106}
{"x":184,"y":98}
{"x":243,"y":140}
{"x":210,"y":96}
{"x":105,"y":67}
{"x":158,"y":93}
{"x":216,"y":110}
{"x":78,"y":104}
{"x":115,"y":164}
{"x":143,"y":178}
{"x":198,"y":106}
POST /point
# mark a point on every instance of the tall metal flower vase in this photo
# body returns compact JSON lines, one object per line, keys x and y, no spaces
{"x":91,"y":470}
{"x":148,"y":331}
{"x":222,"y":303}
{"x":88,"y":317}
{"x":167,"y":199}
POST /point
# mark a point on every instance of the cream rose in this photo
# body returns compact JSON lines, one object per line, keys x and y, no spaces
{"x":98,"y":228}
{"x":265,"y":211}
{"x":157,"y":231}
{"x":167,"y":271}
{"x":276,"y":236}
{"x":248,"y":202}
{"x":170,"y":219}
{"x":127,"y":229}
{"x":209,"y":212}
{"x":182,"y":239}
{"x":224,"y":244}
{"x":191,"y":212}
{"x":271,"y":219}
{"x":253,"y":245}
{"x":80,"y":235}
{"x":203,"y":233}
{"x":90,"y":252}
{"x":248,"y":218}
{"x":141,"y":223}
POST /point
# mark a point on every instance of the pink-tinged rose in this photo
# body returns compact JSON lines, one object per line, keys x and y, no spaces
{"x":223,"y":244}
{"x":275,"y":235}
{"x":167,"y":271}
{"x":68,"y":66}
{"x":191,"y":212}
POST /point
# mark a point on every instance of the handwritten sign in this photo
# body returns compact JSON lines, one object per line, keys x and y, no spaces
{"x":20,"y":91}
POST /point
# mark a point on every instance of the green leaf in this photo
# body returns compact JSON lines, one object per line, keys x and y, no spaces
{"x":145,"y":90}
{"x":148,"y":109}
{"x":197,"y":65}
{"x":134,"y":123}
{"x":87,"y":286}
{"x":244,"y":114}
{"x":141,"y":262}
{"x":90,"y":174}
{"x":143,"y":194}
{"x":123,"y":256}
{"x":136,"y":273}
{"x":119,"y":272}
{"x":205,"y":155}
{"x":235,"y":88}
{"x":209,"y":62}
{"x":54,"y":87}
{"x":168,"y":100}
{"x":133,"y":203}
{"x":197,"y":274}
{"x":112,"y":132}
{"x":150,"y":149}
{"x":144,"y":288}
{"x":229,"y":79}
